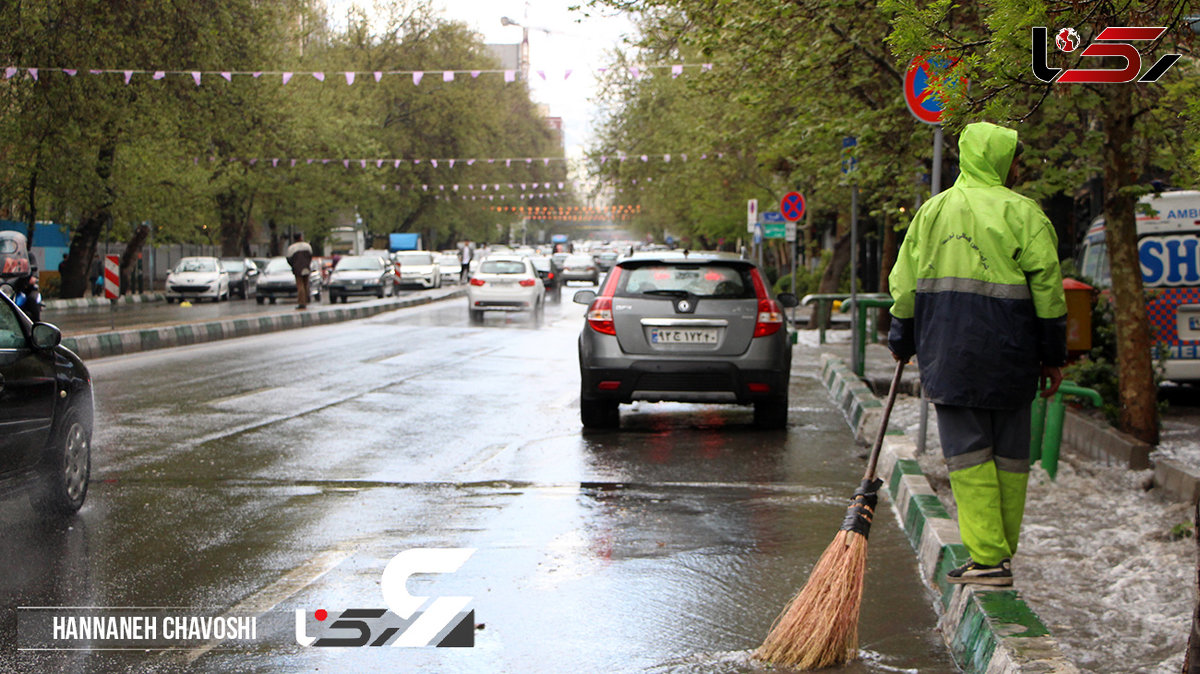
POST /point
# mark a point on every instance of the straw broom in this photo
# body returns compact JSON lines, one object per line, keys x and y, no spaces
{"x":819,"y":628}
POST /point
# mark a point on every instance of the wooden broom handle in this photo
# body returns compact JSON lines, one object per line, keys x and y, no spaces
{"x":883,"y":424}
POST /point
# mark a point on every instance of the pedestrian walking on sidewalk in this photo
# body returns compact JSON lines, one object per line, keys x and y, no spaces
{"x":978,"y":298}
{"x":299,"y":256}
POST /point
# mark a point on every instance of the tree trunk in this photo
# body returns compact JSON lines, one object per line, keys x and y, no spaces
{"x":132,"y":254}
{"x":83,"y":242}
{"x":233,"y":223}
{"x":830,"y":279}
{"x":888,"y":260}
{"x":1135,"y":371}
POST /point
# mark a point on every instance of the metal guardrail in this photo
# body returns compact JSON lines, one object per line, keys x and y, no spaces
{"x":863,"y":303}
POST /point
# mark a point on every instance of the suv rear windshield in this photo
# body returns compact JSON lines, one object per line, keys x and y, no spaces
{"x":702,"y":280}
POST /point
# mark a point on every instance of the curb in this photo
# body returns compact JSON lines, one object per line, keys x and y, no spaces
{"x":79,"y":302}
{"x":987,"y":631}
{"x":1108,"y":446}
{"x":124,"y":342}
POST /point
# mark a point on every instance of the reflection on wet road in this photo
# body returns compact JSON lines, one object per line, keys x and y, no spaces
{"x":282,"y":472}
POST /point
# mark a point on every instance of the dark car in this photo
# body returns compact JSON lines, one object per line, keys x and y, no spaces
{"x":243,"y":276}
{"x":276,"y":280}
{"x":46,"y":415}
{"x":580,"y":267}
{"x":695,"y":328}
{"x":551,"y":277}
{"x":362,"y":275}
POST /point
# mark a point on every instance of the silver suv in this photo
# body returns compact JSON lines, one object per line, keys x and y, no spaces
{"x":689,"y":328}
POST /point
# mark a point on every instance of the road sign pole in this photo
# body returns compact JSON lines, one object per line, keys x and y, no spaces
{"x":937,"y":160}
{"x":855,"y":363}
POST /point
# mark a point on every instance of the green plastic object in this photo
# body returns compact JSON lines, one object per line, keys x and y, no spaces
{"x":1046,"y":424}
{"x":864,"y":303}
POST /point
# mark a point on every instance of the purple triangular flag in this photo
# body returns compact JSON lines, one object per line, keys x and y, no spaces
{"x":196,"y":77}
{"x":320,"y":77}
{"x":159,"y":74}
{"x":287,"y":77}
{"x":417,"y":75}
{"x":350,"y":77}
{"x":227,"y":75}
{"x":447,"y":75}
{"x":33,"y":72}
{"x":676,"y":71}
{"x":510,"y":75}
{"x":475,"y":73}
{"x":378,"y":75}
{"x":70,"y":71}
{"x":128,"y":76}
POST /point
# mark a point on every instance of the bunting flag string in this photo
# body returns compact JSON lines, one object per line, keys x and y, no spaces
{"x":349,"y":76}
{"x":507,"y":162}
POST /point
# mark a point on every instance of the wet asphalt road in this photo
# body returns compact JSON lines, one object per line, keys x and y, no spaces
{"x":282,"y":472}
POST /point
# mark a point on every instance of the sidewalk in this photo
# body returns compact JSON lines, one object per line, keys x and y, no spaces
{"x":986,"y":630}
{"x":119,"y":342}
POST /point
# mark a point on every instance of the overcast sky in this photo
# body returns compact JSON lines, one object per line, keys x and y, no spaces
{"x":574,"y":42}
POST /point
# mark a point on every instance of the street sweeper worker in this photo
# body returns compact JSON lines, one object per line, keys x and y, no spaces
{"x":978,"y":298}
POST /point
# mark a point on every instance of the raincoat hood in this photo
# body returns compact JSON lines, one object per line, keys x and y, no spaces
{"x":985,"y":154}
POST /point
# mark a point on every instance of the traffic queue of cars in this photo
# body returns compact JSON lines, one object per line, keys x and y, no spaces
{"x":661,"y":326}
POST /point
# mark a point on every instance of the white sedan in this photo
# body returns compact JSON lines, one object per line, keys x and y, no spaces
{"x":198,"y":278}
{"x":505,"y":283}
{"x":418,"y":268}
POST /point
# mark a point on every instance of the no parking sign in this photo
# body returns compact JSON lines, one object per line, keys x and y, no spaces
{"x":919,"y":94}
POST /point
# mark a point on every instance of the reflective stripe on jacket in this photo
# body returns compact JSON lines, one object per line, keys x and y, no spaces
{"x":977,"y":287}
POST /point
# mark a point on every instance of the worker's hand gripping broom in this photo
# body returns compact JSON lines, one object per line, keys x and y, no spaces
{"x":819,"y":628}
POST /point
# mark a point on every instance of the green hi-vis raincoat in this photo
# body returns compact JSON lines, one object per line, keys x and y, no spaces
{"x":977,"y":288}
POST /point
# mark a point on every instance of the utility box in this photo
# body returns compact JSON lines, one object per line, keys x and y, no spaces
{"x":1079,"y":316}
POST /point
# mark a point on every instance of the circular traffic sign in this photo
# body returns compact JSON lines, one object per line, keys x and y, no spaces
{"x":792,"y":206}
{"x":918,"y":89}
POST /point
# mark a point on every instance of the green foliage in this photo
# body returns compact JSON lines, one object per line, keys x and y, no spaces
{"x":1182,"y":530}
{"x":806,"y":281}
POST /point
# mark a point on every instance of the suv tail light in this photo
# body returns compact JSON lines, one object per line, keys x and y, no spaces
{"x":477,"y":281}
{"x":526,"y":282}
{"x":770,"y":315}
{"x":600,"y":315}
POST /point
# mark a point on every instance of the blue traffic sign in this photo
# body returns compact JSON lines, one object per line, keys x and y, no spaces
{"x":772,"y":216}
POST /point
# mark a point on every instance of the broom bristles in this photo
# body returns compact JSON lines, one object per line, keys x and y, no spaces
{"x":819,"y":627}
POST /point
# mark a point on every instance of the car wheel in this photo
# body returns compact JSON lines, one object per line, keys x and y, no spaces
{"x":771,"y":414}
{"x":68,"y":468}
{"x":260,"y":299}
{"x":476,"y":316}
{"x":599,"y":413}
{"x":272,"y":300}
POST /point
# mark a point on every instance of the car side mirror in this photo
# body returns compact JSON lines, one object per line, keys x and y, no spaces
{"x":787,"y":300}
{"x":45,"y":336}
{"x":584,"y":297}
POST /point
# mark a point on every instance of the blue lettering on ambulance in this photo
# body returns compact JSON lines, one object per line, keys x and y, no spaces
{"x":1169,"y":260}
{"x":1188,"y":213}
{"x":1182,"y":254}
{"x":1150,"y":255}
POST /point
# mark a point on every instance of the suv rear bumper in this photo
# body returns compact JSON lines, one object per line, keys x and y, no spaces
{"x":682,"y":381}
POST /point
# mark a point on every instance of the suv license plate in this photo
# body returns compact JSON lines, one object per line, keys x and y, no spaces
{"x":683,"y":336}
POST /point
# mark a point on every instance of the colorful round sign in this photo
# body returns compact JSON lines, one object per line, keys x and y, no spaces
{"x":792,"y":206}
{"x":918,"y":90}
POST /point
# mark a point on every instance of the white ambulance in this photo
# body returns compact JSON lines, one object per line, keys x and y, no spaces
{"x":1169,"y":256}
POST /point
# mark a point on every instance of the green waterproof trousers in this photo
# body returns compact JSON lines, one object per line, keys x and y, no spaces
{"x":987,"y":454}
